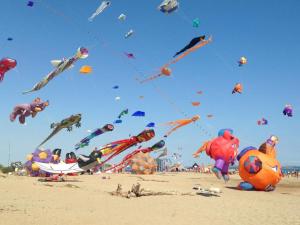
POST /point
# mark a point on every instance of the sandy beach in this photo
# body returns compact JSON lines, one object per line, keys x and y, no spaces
{"x":86,"y":200}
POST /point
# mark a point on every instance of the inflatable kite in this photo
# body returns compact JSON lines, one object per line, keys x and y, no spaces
{"x":243,"y":60}
{"x":30,"y":109}
{"x":99,"y":10}
{"x":260,"y":169}
{"x":180,"y":123}
{"x":165,"y":71}
{"x":288,"y":110}
{"x":263,"y":121}
{"x":6,"y":64}
{"x":168,"y":6}
{"x":112,"y":149}
{"x":65,"y":123}
{"x":60,"y":66}
{"x":128,"y":158}
{"x":223,"y":150}
{"x":143,"y":163}
{"x":238,"y":88}
{"x":85,"y":142}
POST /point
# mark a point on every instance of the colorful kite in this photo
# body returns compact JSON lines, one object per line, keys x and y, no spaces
{"x":127,"y":159}
{"x":85,"y":141}
{"x":65,"y":123}
{"x":180,"y":123}
{"x":262,"y":122}
{"x":60,"y":66}
{"x":243,"y":60}
{"x":99,"y":10}
{"x":28,"y":109}
{"x":288,"y":110}
{"x":168,"y":6}
{"x":113,"y":149}
{"x":6,"y":64}
{"x":238,"y":88}
{"x":165,"y":71}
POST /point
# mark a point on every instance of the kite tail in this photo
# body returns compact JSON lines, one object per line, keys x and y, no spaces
{"x":50,"y":136}
{"x":151,"y":78}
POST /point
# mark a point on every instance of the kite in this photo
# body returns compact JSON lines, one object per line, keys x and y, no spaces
{"x":129,"y":55}
{"x":237,"y":88}
{"x":210,"y":116}
{"x":10,"y":39}
{"x":196,"y":22}
{"x":180,"y":123}
{"x":30,"y":3}
{"x":129,"y":33}
{"x":28,"y":109}
{"x":288,"y":111}
{"x":85,"y":141}
{"x":123,"y":113}
{"x":151,"y":124}
{"x":117,"y":98}
{"x":223,"y":149}
{"x":99,"y":10}
{"x":263,"y":121}
{"x":122,"y":17}
{"x":143,"y":163}
{"x":116,"y":87}
{"x":6,"y":64}
{"x":65,"y":123}
{"x":127,"y":159}
{"x":112,"y":149}
{"x":85,"y":69}
{"x":195,"y":103}
{"x":243,"y":60}
{"x":192,"y":43}
{"x":168,"y":6}
{"x":165,"y":71}
{"x":199,"y":92}
{"x":117,"y":121}
{"x":138,"y":113}
{"x":60,"y":66}
{"x":60,"y":168}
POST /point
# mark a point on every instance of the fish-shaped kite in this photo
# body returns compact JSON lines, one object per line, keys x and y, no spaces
{"x":99,"y":10}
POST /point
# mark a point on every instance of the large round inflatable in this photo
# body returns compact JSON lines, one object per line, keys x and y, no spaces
{"x":260,"y":171}
{"x":143,"y":163}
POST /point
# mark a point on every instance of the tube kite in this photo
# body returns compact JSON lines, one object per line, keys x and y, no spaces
{"x":180,"y":123}
{"x":99,"y":10}
{"x":6,"y":64}
{"x":85,"y":141}
{"x":65,"y":123}
{"x":60,"y":66}
{"x":165,"y":71}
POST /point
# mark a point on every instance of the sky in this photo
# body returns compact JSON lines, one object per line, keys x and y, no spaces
{"x":266,"y":32}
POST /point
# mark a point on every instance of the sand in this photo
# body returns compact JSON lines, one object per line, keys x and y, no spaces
{"x":86,"y":201}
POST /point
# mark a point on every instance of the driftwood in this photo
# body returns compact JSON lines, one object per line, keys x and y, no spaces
{"x":137,"y":191}
{"x":143,"y":179}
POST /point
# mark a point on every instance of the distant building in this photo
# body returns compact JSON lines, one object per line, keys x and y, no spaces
{"x":161,"y":164}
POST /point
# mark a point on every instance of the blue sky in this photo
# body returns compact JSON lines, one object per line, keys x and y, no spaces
{"x":266,"y":32}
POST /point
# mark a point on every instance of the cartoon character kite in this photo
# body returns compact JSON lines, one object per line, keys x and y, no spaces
{"x":60,"y":66}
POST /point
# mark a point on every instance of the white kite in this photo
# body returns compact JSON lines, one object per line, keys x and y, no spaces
{"x":100,"y":9}
{"x":60,"y":168}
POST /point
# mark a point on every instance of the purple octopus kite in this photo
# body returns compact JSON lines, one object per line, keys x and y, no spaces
{"x":288,"y":111}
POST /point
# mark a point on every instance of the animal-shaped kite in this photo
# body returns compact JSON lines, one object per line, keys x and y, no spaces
{"x":65,"y":123}
{"x":243,"y":60}
{"x":99,"y":10}
{"x":288,"y":110}
{"x":60,"y":66}
{"x":112,"y":149}
{"x":168,"y":6}
{"x":192,"y":43}
{"x":223,"y":150}
{"x":180,"y":123}
{"x":165,"y":71}
{"x":28,"y":109}
{"x":260,"y":169}
{"x":85,"y":141}
{"x":6,"y":64}
{"x":238,"y":88}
